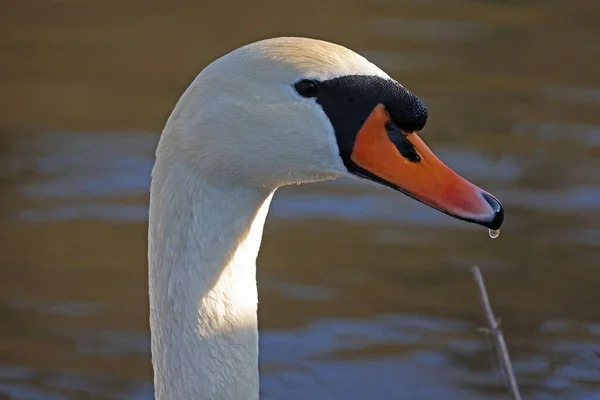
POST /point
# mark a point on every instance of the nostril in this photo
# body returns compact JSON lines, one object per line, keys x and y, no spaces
{"x":498,"y":211}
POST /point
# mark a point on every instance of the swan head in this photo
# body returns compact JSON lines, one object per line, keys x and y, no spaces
{"x":294,"y":110}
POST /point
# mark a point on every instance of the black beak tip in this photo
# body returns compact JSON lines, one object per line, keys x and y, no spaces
{"x":498,"y":219}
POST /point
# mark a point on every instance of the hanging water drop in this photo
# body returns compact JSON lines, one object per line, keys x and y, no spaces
{"x":494,"y":233}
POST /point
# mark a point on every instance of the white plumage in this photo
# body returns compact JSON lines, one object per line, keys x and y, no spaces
{"x":238,"y":133}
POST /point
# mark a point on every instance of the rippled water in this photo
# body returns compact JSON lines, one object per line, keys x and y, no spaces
{"x":364,"y":293}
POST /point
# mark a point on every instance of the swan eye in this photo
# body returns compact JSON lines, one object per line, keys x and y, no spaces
{"x":307,"y":88}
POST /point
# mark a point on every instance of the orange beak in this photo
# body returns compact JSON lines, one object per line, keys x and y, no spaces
{"x":419,"y":173}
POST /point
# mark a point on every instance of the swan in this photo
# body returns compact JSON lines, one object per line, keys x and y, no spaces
{"x":275,"y":112}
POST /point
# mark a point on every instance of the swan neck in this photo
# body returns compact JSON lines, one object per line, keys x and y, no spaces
{"x":204,"y":238}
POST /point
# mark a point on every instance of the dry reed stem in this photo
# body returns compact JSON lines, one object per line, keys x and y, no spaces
{"x":496,"y":333}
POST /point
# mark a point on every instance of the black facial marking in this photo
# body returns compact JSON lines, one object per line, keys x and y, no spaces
{"x":349,"y":100}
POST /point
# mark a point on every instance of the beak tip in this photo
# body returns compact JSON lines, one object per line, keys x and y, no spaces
{"x":498,"y":218}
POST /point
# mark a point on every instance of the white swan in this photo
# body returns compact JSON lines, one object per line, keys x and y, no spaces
{"x":272,"y":113}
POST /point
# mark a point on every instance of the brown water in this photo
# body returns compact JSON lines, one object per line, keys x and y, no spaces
{"x":363,"y":292}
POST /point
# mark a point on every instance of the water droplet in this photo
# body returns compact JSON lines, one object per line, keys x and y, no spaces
{"x":494,"y":233}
